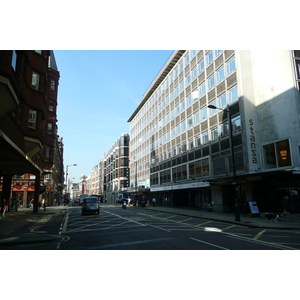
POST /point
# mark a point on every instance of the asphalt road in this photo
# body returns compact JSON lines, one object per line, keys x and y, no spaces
{"x":137,"y":228}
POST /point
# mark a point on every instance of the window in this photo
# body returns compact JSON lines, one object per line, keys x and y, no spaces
{"x":212,"y":111}
{"x":181,"y":66}
{"x":214,"y":133}
{"x":182,"y":105}
{"x":233,"y":94}
{"x":198,"y":140}
{"x":196,"y":117}
{"x":224,"y":129}
{"x":52,"y":85}
{"x":236,"y":124}
{"x":187,"y":79}
{"x":209,"y":57}
{"x":298,"y":68}
{"x":200,"y":66}
{"x":32,"y":119}
{"x":47,"y":153}
{"x":177,"y":110}
{"x":49,"y":127}
{"x":222,"y":101}
{"x":194,"y":73}
{"x":230,"y":66}
{"x":202,"y":89}
{"x":211,"y":82}
{"x":193,"y":53}
{"x":218,"y":52}
{"x":188,"y":100}
{"x":220,"y":74}
{"x":186,"y":59}
{"x":195,"y":94}
{"x":203,"y":113}
{"x":205,"y":138}
{"x":177,"y":129}
{"x":38,"y":51}
{"x":191,"y":144}
{"x":181,"y":86}
{"x":190,"y":122}
{"x":35,"y":80}
{"x":183,"y":126}
{"x":51,"y":108}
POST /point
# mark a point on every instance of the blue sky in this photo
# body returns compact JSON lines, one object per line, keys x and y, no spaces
{"x":98,"y":91}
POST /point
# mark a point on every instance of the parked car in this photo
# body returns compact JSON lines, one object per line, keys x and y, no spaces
{"x":90,"y":204}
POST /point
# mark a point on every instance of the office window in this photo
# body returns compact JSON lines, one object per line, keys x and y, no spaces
{"x":180,"y":66}
{"x":51,"y":107}
{"x":202,"y":89}
{"x":190,"y":122}
{"x":176,"y":90}
{"x":47,"y":153}
{"x":188,"y":100}
{"x":236,"y":124}
{"x":175,"y":72}
{"x":230,"y":66}
{"x":211,"y":82}
{"x":200,"y":66}
{"x":220,"y":74}
{"x":193,"y":53}
{"x":214,"y":133}
{"x":205,"y":138}
{"x":35,"y":80}
{"x":205,"y":167}
{"x":212,"y":111}
{"x":177,"y":129}
{"x":198,"y":141}
{"x":181,"y":86}
{"x":195,"y":94}
{"x":32,"y":119}
{"x":182,"y":105}
{"x":183,"y":126}
{"x":186,"y":59}
{"x":187,"y":79}
{"x":191,"y":144}
{"x":209,"y":57}
{"x":218,"y":52}
{"x":177,"y":110}
{"x":222,"y":101}
{"x":194,"y":73}
{"x":233,"y":94}
{"x":196,"y":117}
{"x":224,"y":129}
{"x":203,"y":113}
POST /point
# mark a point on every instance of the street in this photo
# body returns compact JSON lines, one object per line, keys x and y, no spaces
{"x":137,"y":228}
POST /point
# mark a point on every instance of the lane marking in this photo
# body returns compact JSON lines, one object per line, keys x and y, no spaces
{"x":158,"y":227}
{"x":209,"y":244}
{"x":259,"y":234}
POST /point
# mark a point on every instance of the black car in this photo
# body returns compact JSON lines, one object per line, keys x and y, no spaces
{"x":90,"y":204}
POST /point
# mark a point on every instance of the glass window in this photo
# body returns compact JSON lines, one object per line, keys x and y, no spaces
{"x":205,"y":138}
{"x":218,"y":52}
{"x":191,"y":170}
{"x":187,"y":59}
{"x":51,"y":108}
{"x":212,"y":111}
{"x":230,"y":66}
{"x":205,"y":167}
{"x":269,"y":156}
{"x":177,"y":129}
{"x":181,"y":86}
{"x":224,"y":129}
{"x":187,"y":79}
{"x":220,"y":74}
{"x":177,"y":110}
{"x":35,"y":80}
{"x":190,"y":122}
{"x":198,"y":141}
{"x":191,"y":144}
{"x":32,"y":119}
{"x":298,"y":68}
{"x":236,"y":124}
{"x":183,"y":126}
{"x":198,"y":172}
{"x":202,"y":89}
{"x":214,"y":133}
{"x":188,"y":100}
{"x":182,"y":105}
{"x":14,"y":60}
{"x":195,"y":94}
{"x":52,"y":85}
{"x":200,"y":66}
{"x":211,"y":82}
{"x":194,"y":73}
{"x":233,"y":94}
{"x":222,"y":101}
{"x":209,"y":57}
{"x":196,"y":117}
{"x":283,"y":153}
{"x":203,"y":113}
{"x":49,"y":128}
{"x":181,"y":66}
{"x":193,"y":53}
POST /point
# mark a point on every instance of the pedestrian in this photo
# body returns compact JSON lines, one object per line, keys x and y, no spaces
{"x":286,"y":208}
{"x":4,"y":208}
{"x":153,"y":202}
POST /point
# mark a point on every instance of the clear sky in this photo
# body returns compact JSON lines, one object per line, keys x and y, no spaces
{"x":98,"y":91}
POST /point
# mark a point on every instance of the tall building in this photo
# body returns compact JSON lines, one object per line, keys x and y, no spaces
{"x":115,"y":164}
{"x":184,"y":150}
{"x":28,"y":131}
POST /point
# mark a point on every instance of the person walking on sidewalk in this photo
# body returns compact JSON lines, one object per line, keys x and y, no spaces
{"x":4,"y":208}
{"x":153,"y":202}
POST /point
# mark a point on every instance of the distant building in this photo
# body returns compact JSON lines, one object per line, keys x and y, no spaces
{"x":115,"y":164}
{"x":181,"y":149}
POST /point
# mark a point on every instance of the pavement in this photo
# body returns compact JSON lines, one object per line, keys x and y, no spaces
{"x":11,"y":227}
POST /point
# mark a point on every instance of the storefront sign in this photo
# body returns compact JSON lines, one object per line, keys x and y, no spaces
{"x":252,"y":142}
{"x":181,"y":186}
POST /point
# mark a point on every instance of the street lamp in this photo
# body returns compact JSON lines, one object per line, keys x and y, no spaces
{"x":237,"y":212}
{"x":74,"y":165}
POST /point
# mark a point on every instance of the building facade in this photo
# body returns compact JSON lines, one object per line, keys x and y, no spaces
{"x":184,"y":150}
{"x":28,"y":131}
{"x":115,"y":164}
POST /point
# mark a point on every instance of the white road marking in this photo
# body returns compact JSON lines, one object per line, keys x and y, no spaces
{"x":209,"y":244}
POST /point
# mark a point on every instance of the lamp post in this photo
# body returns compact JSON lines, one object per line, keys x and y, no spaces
{"x":74,"y":165}
{"x":236,"y":194}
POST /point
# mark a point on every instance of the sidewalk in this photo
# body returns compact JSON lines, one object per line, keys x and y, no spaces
{"x":14,"y":221}
{"x":246,"y":220}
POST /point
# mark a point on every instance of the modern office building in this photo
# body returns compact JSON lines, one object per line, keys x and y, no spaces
{"x":115,"y":164}
{"x":184,"y":150}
